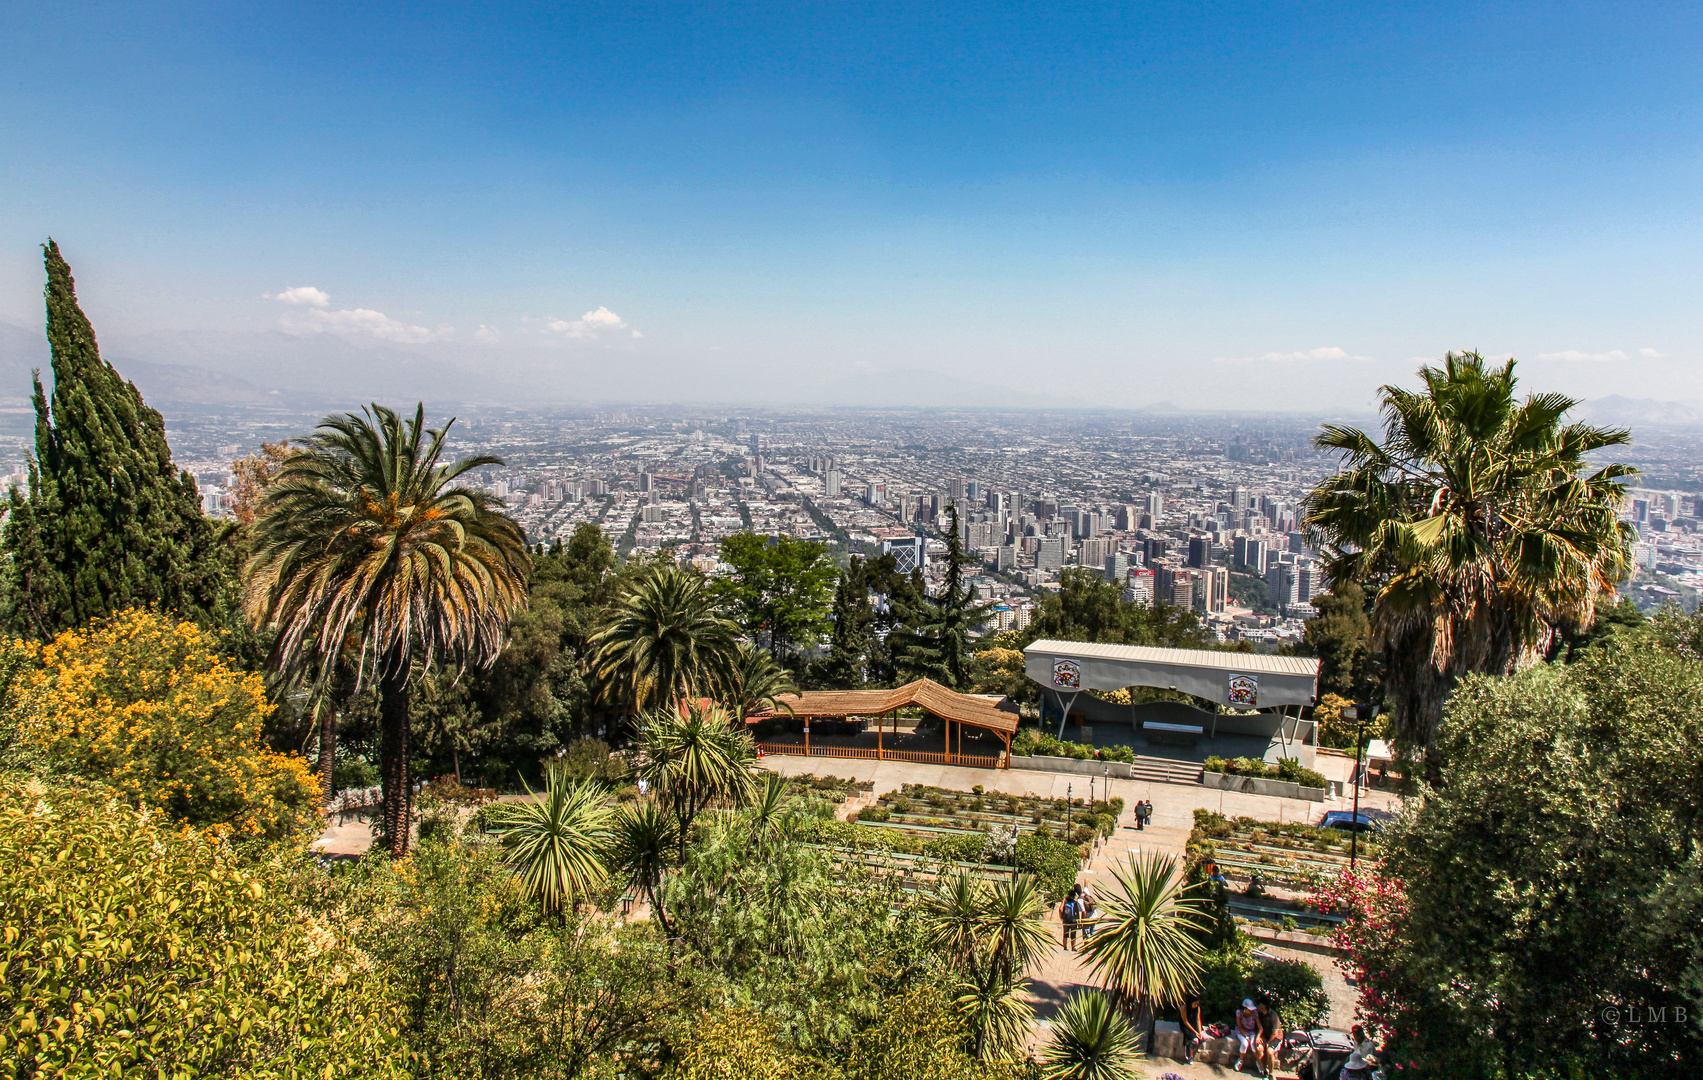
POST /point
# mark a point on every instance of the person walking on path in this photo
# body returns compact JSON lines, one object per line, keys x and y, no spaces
{"x":1067,"y":915}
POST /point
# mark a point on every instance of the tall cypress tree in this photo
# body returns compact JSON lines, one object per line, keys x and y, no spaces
{"x":109,"y":522}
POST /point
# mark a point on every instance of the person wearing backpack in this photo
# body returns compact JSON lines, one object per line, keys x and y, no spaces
{"x":1067,"y":914}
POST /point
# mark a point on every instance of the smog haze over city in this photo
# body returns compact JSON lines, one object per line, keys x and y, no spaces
{"x":1094,"y":274}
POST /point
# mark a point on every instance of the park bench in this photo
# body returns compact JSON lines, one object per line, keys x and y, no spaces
{"x":1184,"y":734}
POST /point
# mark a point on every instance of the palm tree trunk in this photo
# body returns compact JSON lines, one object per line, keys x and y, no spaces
{"x":393,"y":750}
{"x":327,"y":754}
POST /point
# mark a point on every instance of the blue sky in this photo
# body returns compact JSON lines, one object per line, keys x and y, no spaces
{"x":1255,"y":205}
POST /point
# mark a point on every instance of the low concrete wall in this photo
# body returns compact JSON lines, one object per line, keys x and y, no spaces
{"x":1119,"y":769}
{"x":1255,"y":786}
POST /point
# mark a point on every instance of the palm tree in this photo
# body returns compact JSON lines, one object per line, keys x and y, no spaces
{"x":992,"y":932}
{"x":644,"y":839}
{"x":1090,"y":1041}
{"x":664,"y":640}
{"x":753,"y":682}
{"x":693,"y":756}
{"x":1146,"y":949}
{"x":365,"y":533}
{"x":772,"y":810}
{"x":558,"y":844}
{"x":1477,"y":525}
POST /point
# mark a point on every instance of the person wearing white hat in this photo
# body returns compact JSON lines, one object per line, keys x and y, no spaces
{"x":1247,"y":1035}
{"x":1359,"y":1063}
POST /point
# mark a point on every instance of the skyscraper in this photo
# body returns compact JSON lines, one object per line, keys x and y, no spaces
{"x":910,"y":553}
{"x":1049,"y":553}
{"x":831,"y":484}
{"x":1284,"y":584}
{"x":1117,"y":566}
{"x":955,"y":492}
{"x":1140,"y":590}
{"x":1155,"y":505}
{"x":1200,"y":551}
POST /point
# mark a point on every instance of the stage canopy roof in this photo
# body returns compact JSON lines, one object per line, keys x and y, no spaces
{"x":1234,"y":679}
{"x":972,"y":709}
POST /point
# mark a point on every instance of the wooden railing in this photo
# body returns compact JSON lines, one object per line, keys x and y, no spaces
{"x":973,"y":761}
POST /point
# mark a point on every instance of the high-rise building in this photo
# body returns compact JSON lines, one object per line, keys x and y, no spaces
{"x":700,"y":491}
{"x":1309,"y":581}
{"x":1117,"y":566}
{"x":996,"y":505}
{"x":1253,"y":552}
{"x":978,"y":535}
{"x":973,"y":491}
{"x":1200,"y":551}
{"x":1126,"y":518}
{"x":1004,"y":557}
{"x":1239,"y":499}
{"x":1284,"y":584}
{"x":1155,"y":505}
{"x":1640,"y":509}
{"x":600,"y":487}
{"x":1214,"y":583}
{"x":1049,"y":553}
{"x":1140,"y":590}
{"x":1155,"y":548}
{"x":1093,"y":552}
{"x":955,"y":493}
{"x":1182,"y":590}
{"x":831,"y":484}
{"x":909,"y":553}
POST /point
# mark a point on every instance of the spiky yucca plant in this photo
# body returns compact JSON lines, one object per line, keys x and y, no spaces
{"x":1145,"y":949}
{"x":559,"y":844}
{"x":1090,"y":1041}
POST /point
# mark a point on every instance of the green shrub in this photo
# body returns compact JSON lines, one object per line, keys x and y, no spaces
{"x":1053,"y":862}
{"x":1290,"y":769}
{"x":135,"y":946}
{"x":874,"y":813}
{"x":353,"y":772}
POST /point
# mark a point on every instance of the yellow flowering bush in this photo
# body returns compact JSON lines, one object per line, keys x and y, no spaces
{"x":147,"y":705}
{"x":131,"y":945}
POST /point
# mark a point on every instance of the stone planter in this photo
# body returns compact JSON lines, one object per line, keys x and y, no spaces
{"x":1256,"y":786}
{"x":1120,"y":770}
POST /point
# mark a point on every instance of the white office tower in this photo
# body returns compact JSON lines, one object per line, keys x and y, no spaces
{"x":1117,"y":566}
{"x":910,"y":553}
{"x":1155,"y":505}
{"x":831,"y":484}
{"x":1049,"y":553}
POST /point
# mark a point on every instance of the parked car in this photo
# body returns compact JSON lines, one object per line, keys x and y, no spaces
{"x":1349,"y":821}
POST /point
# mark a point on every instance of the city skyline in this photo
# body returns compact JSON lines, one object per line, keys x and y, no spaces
{"x":764,"y":206}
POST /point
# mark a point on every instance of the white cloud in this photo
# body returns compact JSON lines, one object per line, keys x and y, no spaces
{"x":302,"y":296}
{"x":319,"y":317}
{"x":1575,"y":354}
{"x":1650,"y":354}
{"x":589,"y":325}
{"x":1323,"y":352}
{"x":490,"y":335}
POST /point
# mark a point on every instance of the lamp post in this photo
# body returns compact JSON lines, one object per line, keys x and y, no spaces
{"x":1363,"y":712}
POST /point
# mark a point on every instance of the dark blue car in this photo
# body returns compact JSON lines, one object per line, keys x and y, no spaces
{"x":1348,"y":821}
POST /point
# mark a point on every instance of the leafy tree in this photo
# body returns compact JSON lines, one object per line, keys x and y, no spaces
{"x":1340,"y":635}
{"x":935,"y":641}
{"x":1479,"y":525}
{"x":252,"y":475}
{"x":490,"y":986}
{"x":779,"y":591}
{"x":1147,"y":948}
{"x":920,"y":1036}
{"x":1552,"y":879}
{"x":134,"y":946}
{"x":664,"y":641}
{"x":109,"y":522}
{"x":364,"y":533}
{"x":1087,"y":607}
{"x":149,"y":707}
{"x":740,"y":1044}
{"x":1091,"y":1041}
{"x":871,"y":601}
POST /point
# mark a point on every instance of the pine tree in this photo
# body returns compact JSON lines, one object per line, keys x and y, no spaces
{"x":109,"y":522}
{"x":936,"y":643}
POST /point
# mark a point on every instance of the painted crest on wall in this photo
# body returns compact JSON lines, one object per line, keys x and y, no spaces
{"x":1067,"y":675}
{"x":1244,"y":692}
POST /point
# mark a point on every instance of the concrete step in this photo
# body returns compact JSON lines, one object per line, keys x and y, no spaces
{"x":1157,"y":770}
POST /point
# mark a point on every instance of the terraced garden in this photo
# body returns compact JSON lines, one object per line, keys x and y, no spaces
{"x":1290,"y":860}
{"x":921,"y":811}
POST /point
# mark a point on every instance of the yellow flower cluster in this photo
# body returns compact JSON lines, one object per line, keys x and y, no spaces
{"x":147,"y":705}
